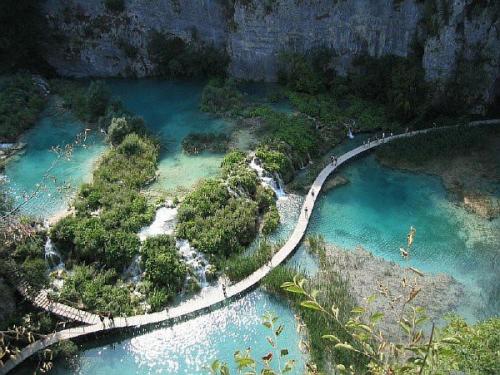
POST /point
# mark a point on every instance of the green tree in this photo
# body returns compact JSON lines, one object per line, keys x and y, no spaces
{"x":162,"y":263}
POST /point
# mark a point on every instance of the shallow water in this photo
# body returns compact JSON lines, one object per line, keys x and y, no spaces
{"x":64,"y":175}
{"x":188,"y":347}
{"x":378,"y":206}
{"x":171,"y":111}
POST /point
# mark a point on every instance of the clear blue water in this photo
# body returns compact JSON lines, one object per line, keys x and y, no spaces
{"x":376,"y":209}
{"x":188,"y":347}
{"x":63,"y":175}
{"x":171,"y":111}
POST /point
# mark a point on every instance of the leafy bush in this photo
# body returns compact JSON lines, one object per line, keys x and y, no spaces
{"x":240,"y":266}
{"x":35,"y":272}
{"x":98,"y":291}
{"x":478,"y":350}
{"x":195,"y":143}
{"x":157,"y":299}
{"x":163,"y":265}
{"x":423,"y":148}
{"x":115,"y":5}
{"x":231,"y":227}
{"x":270,"y":221}
{"x":109,"y":238}
{"x":220,"y":96}
{"x":175,"y":58}
{"x":87,"y":103}
{"x":298,"y":73}
{"x":20,"y":104}
{"x":120,"y":127}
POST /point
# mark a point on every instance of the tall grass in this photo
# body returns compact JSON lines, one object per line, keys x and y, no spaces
{"x":423,"y":148}
{"x":333,"y":291}
{"x":240,"y":266}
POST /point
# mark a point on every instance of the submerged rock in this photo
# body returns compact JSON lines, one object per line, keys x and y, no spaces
{"x":368,"y":275}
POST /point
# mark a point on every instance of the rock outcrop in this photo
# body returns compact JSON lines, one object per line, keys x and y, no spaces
{"x":90,"y":40}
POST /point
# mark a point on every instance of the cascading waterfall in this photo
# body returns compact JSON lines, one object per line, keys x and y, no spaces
{"x":272,"y":181}
{"x":134,"y":272}
{"x":52,"y":256}
{"x":195,"y":259}
{"x":349,"y":134}
{"x":164,"y":223}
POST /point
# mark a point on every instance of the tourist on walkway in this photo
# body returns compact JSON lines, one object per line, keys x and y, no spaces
{"x":312,"y":192}
{"x":101,"y":318}
{"x":305,"y":211}
{"x":111,"y":318}
{"x":224,"y":290}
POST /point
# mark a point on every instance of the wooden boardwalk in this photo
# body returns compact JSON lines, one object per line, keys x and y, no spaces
{"x":196,"y":306}
{"x":42,"y":301}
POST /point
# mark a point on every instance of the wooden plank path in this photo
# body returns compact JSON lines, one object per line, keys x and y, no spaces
{"x":215,"y":299}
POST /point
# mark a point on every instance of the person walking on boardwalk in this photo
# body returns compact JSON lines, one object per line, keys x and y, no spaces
{"x":111,"y":318}
{"x":224,"y":290}
{"x":101,"y":318}
{"x":305,"y":211}
{"x":312,"y":192}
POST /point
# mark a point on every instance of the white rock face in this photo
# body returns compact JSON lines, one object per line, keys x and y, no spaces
{"x":254,"y":34}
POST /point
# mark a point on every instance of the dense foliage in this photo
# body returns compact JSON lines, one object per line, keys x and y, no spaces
{"x":99,"y":291}
{"x":111,"y":209}
{"x":20,"y":104}
{"x":220,"y":216}
{"x":174,"y":57}
{"x":221,"y":96}
{"x":195,"y":143}
{"x":163,"y":264}
{"x":88,"y":103}
{"x":288,"y":141}
{"x":22,"y":27}
{"x":243,"y":265}
{"x":448,"y":143}
{"x":115,"y":5}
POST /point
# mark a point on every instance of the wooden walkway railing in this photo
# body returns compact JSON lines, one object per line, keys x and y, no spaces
{"x":215,"y":299}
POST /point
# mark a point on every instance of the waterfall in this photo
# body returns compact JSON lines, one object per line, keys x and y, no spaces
{"x":52,"y":256}
{"x":134,"y":271}
{"x":164,"y":223}
{"x":349,"y":134}
{"x":195,"y":259}
{"x":272,"y":181}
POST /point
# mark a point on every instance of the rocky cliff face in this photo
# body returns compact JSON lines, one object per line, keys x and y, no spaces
{"x":90,"y":40}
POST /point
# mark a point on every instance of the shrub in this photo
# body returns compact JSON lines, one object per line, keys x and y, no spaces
{"x":195,"y":143}
{"x":163,"y":264}
{"x":220,"y":96}
{"x":35,"y":272}
{"x":20,"y":104}
{"x":271,"y":221}
{"x":115,"y":5}
{"x":158,"y":299}
{"x":175,"y":58}
{"x":241,"y":266}
{"x":97,"y":291}
{"x":120,"y":127}
{"x":299,"y":74}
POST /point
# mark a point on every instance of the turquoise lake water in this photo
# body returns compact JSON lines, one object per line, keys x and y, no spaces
{"x":171,"y":111}
{"x":374,"y":210}
{"x":63,"y":175}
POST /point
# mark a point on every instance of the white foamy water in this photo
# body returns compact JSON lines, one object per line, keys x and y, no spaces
{"x":164,"y":223}
{"x":268,"y":179}
{"x":52,"y":256}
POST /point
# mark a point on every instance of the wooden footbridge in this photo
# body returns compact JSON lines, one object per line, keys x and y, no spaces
{"x":211,"y":301}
